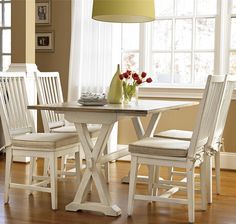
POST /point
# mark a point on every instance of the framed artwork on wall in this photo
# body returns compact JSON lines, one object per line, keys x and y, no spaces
{"x":44,"y":41}
{"x":43,"y":12}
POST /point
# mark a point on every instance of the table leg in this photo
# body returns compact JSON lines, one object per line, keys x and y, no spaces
{"x":141,"y":133}
{"x":93,"y":173}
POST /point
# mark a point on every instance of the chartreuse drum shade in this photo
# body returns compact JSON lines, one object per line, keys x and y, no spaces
{"x":124,"y":11}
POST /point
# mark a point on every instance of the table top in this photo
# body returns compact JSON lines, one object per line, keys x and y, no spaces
{"x":141,"y":107}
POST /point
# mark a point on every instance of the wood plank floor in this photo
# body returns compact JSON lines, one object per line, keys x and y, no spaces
{"x":25,"y":209}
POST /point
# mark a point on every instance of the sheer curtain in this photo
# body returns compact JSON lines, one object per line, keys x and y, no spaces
{"x":90,"y":53}
{"x":92,"y":56}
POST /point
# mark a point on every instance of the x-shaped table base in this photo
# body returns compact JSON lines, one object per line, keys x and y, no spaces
{"x":93,"y":173}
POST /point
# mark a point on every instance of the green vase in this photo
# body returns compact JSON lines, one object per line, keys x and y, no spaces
{"x":115,"y":93}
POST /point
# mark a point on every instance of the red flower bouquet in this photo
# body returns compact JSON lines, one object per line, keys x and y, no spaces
{"x":130,"y":80}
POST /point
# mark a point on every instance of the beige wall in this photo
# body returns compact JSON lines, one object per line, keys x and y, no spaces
{"x":168,"y":120}
{"x":59,"y":61}
{"x":23,"y":29}
{"x":23,"y":38}
{"x":182,"y":119}
{"x":61,"y":26}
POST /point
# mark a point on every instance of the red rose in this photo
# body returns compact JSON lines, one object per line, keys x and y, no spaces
{"x":128,"y":72}
{"x":125,"y":75}
{"x":148,"y":80}
{"x":121,"y":77}
{"x":139,"y":81}
{"x":144,"y":74}
{"x":135,"y":76}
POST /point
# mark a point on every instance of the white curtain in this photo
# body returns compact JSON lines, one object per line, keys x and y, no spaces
{"x":90,"y":53}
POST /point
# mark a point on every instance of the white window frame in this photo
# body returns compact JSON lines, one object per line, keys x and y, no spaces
{"x":221,"y":62}
{"x":233,"y":16}
{"x":2,"y":28}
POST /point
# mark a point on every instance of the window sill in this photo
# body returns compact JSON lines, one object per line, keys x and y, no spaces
{"x":173,"y":92}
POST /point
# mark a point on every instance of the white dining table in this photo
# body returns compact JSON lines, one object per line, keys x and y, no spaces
{"x":106,"y":115}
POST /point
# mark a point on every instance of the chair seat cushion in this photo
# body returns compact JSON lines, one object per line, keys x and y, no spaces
{"x":175,"y":134}
{"x":44,"y":141}
{"x":160,"y":147}
{"x":93,"y":129}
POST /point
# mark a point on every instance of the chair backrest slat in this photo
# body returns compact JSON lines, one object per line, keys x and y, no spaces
{"x":218,"y":127}
{"x":16,"y":119}
{"x":49,"y":91}
{"x":207,"y":115}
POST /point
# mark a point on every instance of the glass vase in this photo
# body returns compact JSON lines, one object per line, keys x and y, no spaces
{"x":130,"y":93}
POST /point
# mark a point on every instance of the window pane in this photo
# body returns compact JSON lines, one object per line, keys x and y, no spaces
{"x":184,"y":7}
{"x":182,"y":68}
{"x":6,"y":41}
{"x":161,"y":68}
{"x":1,"y":14}
{"x":234,"y":7}
{"x":233,"y":34}
{"x":7,"y":14}
{"x":206,"y":7}
{"x":130,"y":37}
{"x":6,"y":61}
{"x":162,"y":35}
{"x":183,"y":34}
{"x":164,"y":7}
{"x":233,"y":62}
{"x":204,"y":63}
{"x":130,"y":61}
{"x":205,"y":37}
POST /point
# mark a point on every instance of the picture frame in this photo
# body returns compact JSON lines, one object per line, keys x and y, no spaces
{"x":44,"y":41}
{"x":43,"y":12}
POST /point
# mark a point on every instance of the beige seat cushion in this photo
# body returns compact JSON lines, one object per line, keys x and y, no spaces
{"x":175,"y":134}
{"x":160,"y":147}
{"x":93,"y":129}
{"x":44,"y":141}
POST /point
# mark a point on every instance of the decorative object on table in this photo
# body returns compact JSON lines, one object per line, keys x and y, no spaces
{"x":93,"y":99}
{"x":130,"y":82}
{"x":44,"y":41}
{"x":115,"y":90}
{"x":128,"y":11}
{"x":43,"y":12}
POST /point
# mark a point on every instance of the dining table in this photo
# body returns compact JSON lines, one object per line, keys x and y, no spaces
{"x":106,"y":115}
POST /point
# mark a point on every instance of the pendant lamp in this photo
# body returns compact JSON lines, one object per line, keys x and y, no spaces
{"x":124,"y":11}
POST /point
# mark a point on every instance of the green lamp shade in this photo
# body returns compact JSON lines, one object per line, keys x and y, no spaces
{"x":124,"y":11}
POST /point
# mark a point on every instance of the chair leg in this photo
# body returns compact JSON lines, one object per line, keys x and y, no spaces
{"x":156,"y":181}
{"x":32,"y":170}
{"x":78,"y":167}
{"x":53,"y":177}
{"x":170,"y":173}
{"x":191,"y":194}
{"x":63,"y":165}
{"x":132,"y":183}
{"x":7,"y":174}
{"x":106,"y":167}
{"x":217,"y":171}
{"x":151,"y":179}
{"x":45,"y":167}
{"x":203,"y":185}
{"x":209,"y":178}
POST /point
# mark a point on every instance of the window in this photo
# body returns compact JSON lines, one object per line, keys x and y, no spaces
{"x":178,"y":47}
{"x":5,"y":34}
{"x":233,"y":39}
{"x":130,"y":46}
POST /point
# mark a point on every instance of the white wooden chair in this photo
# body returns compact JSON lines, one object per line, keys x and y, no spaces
{"x":21,"y":139}
{"x":157,"y":152}
{"x":215,"y":146}
{"x":49,"y":91}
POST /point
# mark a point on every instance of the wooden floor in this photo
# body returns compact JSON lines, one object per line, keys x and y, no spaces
{"x":36,"y":209}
